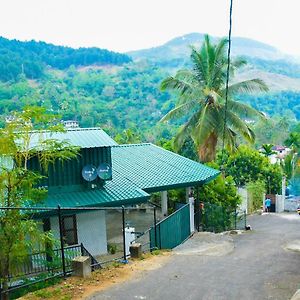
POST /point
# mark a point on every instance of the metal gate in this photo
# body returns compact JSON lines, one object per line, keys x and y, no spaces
{"x":171,"y":231}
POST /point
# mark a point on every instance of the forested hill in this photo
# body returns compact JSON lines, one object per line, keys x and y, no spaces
{"x":102,"y":88}
{"x":31,"y":58}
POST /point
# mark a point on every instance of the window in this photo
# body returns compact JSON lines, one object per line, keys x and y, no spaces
{"x":69,"y":230}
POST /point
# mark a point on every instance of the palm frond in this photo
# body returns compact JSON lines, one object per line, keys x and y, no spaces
{"x":237,"y":124}
{"x":185,"y":131}
{"x":243,"y":110}
{"x":172,"y":83}
{"x":207,"y":122}
{"x":248,"y":86}
{"x":180,"y":111}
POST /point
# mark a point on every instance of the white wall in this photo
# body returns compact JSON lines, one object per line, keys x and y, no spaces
{"x":291,"y":204}
{"x":244,"y":204}
{"x":91,"y":231}
{"x":280,"y":203}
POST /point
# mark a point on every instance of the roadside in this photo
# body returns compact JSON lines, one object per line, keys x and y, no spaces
{"x":258,"y":267}
{"x":116,"y":273}
{"x":260,"y":264}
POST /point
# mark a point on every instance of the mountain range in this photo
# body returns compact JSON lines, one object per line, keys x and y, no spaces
{"x":116,"y":91}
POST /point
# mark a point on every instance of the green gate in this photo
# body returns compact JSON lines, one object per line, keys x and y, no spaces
{"x":171,"y":231}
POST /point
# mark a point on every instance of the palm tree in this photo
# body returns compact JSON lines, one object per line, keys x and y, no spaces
{"x":202,"y":100}
{"x":293,"y":141}
{"x":268,"y":149}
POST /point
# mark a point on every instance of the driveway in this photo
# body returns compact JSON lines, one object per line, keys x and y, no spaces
{"x":257,"y":266}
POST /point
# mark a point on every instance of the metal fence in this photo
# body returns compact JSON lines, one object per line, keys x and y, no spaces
{"x":171,"y":231}
{"x":104,"y":234}
{"x":215,"y":218}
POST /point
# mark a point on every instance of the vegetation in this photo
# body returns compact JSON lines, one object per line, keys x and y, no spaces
{"x":202,"y":101}
{"x":221,"y":191}
{"x":19,"y":234}
{"x":267,"y":149}
{"x":248,"y":165}
{"x":255,"y":191}
{"x":32,"y":58}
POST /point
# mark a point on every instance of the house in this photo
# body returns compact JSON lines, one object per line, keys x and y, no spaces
{"x":106,"y":174}
{"x":280,"y":152}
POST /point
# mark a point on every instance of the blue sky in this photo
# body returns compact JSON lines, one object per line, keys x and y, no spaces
{"x":124,"y":25}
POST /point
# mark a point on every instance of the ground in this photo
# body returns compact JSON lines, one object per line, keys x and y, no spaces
{"x":257,"y":266}
{"x":260,"y":264}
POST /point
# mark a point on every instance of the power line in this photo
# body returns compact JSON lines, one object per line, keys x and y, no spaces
{"x":227,"y":83}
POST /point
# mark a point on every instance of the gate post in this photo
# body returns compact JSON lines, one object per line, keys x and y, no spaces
{"x":155,"y":229}
{"x":192,"y":209}
{"x":164,"y":203}
{"x":197,"y":211}
{"x":61,"y":241}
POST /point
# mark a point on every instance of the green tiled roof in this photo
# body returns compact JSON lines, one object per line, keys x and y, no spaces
{"x":81,"y":137}
{"x":137,"y":170}
{"x":116,"y":192}
{"x":152,"y":168}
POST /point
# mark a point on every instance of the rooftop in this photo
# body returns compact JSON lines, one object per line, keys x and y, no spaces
{"x":154,"y":169}
{"x":81,"y":137}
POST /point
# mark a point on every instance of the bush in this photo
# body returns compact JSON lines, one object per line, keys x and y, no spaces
{"x":255,"y":192}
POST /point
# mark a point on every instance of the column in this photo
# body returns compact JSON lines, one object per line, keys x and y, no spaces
{"x":164,"y":203}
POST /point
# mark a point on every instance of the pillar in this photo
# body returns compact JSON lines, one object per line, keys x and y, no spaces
{"x":164,"y":203}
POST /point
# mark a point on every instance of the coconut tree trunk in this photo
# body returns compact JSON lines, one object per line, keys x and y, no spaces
{"x":207,"y":150}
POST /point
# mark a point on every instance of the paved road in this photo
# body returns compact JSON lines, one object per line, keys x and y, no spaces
{"x":258,"y":268}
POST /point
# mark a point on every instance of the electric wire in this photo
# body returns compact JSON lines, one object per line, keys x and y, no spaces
{"x":227,"y":84}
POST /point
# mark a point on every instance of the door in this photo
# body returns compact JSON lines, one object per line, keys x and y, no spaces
{"x":69,"y":228}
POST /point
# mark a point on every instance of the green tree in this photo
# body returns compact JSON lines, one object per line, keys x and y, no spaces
{"x":267,"y":149}
{"x":19,"y":234}
{"x":293,"y":141}
{"x":248,"y":165}
{"x":202,"y":100}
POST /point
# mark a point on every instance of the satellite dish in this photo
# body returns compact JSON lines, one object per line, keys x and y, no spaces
{"x":104,"y":171}
{"x":89,"y":172}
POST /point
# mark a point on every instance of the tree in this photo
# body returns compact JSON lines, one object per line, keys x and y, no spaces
{"x":293,"y":141}
{"x":19,"y":235}
{"x":248,"y":165}
{"x":221,"y":191}
{"x":267,"y":149}
{"x":202,"y":100}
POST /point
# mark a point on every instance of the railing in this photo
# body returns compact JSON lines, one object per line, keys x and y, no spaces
{"x":94,"y":263}
{"x":47,"y":262}
{"x":216,"y":218}
{"x":171,"y":231}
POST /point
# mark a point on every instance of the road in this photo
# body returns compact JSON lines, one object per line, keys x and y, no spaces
{"x":257,"y":268}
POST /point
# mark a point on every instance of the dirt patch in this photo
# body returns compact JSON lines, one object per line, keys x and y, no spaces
{"x":78,"y":288}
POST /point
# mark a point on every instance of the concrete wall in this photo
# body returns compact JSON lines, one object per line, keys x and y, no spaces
{"x":291,"y":204}
{"x":91,"y":231}
{"x":280,"y":203}
{"x":244,"y":195}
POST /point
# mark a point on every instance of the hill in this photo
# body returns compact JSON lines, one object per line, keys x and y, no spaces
{"x":178,"y":48}
{"x":98,"y":87}
{"x":31,"y":58}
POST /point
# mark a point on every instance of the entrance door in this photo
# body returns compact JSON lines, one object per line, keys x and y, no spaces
{"x":69,"y":228}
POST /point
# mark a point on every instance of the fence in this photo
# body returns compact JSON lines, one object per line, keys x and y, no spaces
{"x":171,"y":231}
{"x":216,"y":218}
{"x":104,"y":234}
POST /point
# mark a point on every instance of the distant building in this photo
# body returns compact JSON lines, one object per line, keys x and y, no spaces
{"x":71,"y":124}
{"x":280,"y":153}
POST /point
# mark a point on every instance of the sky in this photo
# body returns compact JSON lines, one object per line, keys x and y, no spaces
{"x":124,"y":25}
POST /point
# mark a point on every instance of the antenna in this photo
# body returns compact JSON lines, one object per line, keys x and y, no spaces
{"x":89,"y":173}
